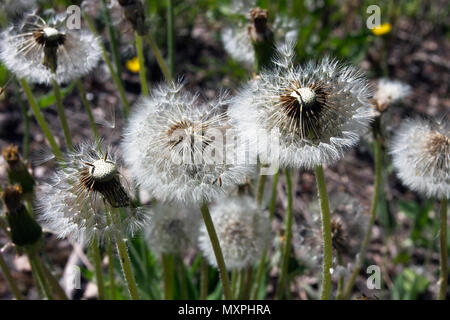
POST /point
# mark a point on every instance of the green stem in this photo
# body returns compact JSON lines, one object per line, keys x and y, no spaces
{"x":62,"y":115}
{"x":116,"y":79}
{"x":260,"y":189}
{"x":260,"y":273}
{"x":373,"y":214}
{"x":10,"y":280}
{"x":168,"y":275}
{"x":40,"y":119}
{"x":443,"y":278}
{"x":124,"y":258}
{"x":183,"y":281}
{"x":204,"y":280}
{"x":127,"y":269}
{"x":248,"y":283}
{"x":54,"y":284}
{"x":341,"y":277}
{"x":112,"y":279}
{"x":87,"y":107}
{"x":217,"y":251}
{"x":326,"y":234}
{"x":241,"y":287}
{"x":234,"y":283}
{"x":273,"y":198}
{"x":112,"y":38}
{"x":288,"y":237}
{"x":170,"y":37}
{"x":37,"y":270}
{"x":262,"y":264}
{"x":158,"y":56}
{"x":141,"y":58}
{"x":97,"y":259}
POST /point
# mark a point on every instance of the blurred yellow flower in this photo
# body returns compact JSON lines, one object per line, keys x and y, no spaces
{"x":133,"y":65}
{"x":382,"y":29}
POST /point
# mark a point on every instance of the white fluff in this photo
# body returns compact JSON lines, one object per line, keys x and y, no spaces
{"x":421,"y":156}
{"x":390,"y":91}
{"x":24,"y":56}
{"x":257,"y":110}
{"x":173,"y":228}
{"x":164,"y":165}
{"x":79,"y":213}
{"x":243,"y":231}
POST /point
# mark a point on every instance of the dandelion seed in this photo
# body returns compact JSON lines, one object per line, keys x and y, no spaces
{"x":39,"y":51}
{"x":318,"y":110}
{"x":175,"y":149}
{"x":243,"y":232}
{"x":421,"y":156}
{"x":76,"y":201}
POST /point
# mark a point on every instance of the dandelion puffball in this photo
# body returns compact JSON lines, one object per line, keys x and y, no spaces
{"x":78,"y":200}
{"x":237,"y":43}
{"x":40,"y":52}
{"x":175,"y":147}
{"x":243,"y":231}
{"x":389,"y":91}
{"x":317,"y":111}
{"x":172,"y":228}
{"x":421,"y":156}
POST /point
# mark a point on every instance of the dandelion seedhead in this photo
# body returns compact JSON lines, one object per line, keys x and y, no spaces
{"x":243,"y":232}
{"x":238,"y":38}
{"x":80,"y":199}
{"x":176,"y":147}
{"x":348,"y":227}
{"x":173,"y":228}
{"x":41,"y":51}
{"x":421,"y":156}
{"x":318,"y":110}
{"x":389,"y":92}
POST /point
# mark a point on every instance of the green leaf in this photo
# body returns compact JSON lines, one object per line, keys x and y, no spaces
{"x":408,"y":285}
{"x":49,"y":99}
{"x":420,"y":216}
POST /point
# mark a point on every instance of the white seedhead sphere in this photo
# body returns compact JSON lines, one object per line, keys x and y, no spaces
{"x":78,"y":199}
{"x":41,"y":52}
{"x":176,"y":147}
{"x":243,"y":231}
{"x":421,"y":156}
{"x":173,"y":228}
{"x":317,"y":111}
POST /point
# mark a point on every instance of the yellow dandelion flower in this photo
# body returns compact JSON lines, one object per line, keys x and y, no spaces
{"x":133,"y":65}
{"x":382,"y":29}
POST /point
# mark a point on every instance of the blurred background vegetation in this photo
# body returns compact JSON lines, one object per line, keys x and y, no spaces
{"x":413,"y":47}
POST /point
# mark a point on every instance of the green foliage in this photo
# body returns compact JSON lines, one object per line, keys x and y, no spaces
{"x":409,"y":285}
{"x":49,"y":99}
{"x":419,"y":214}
